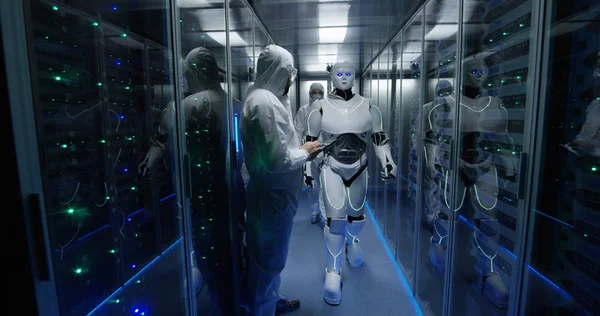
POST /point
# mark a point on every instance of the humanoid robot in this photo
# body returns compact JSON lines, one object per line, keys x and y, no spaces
{"x":434,"y":162}
{"x":483,"y":121}
{"x":205,"y":114}
{"x":345,"y":122}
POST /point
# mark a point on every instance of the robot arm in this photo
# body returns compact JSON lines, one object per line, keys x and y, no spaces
{"x":158,"y":144}
{"x":381,"y":145}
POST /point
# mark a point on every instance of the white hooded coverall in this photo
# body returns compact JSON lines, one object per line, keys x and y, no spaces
{"x":274,"y":161}
{"x":301,"y":124}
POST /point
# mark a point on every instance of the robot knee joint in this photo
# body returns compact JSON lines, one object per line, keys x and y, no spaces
{"x":337,"y":225}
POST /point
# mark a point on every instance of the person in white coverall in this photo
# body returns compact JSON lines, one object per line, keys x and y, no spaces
{"x":317,"y":206}
{"x":274,"y":159}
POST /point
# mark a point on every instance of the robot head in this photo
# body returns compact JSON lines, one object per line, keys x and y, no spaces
{"x":342,"y":75}
{"x":201,"y":70}
{"x":475,"y":72}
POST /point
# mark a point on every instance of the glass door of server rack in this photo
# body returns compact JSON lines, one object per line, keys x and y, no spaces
{"x":205,"y":132}
{"x":493,"y":100}
{"x":561,"y":270}
{"x":99,"y":89}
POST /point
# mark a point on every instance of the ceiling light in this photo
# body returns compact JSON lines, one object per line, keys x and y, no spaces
{"x":332,"y":35}
{"x":441,"y":31}
{"x":221,"y":37}
{"x":196,"y":3}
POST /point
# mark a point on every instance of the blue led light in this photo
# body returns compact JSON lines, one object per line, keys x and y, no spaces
{"x":114,"y":8}
{"x":237,"y":142}
{"x":125,"y":170}
{"x":110,"y":297}
{"x":391,"y":255}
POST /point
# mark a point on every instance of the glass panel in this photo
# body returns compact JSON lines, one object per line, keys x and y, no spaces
{"x":391,"y":199}
{"x":561,"y":275}
{"x":374,"y":167}
{"x":205,"y":120}
{"x":437,"y":126}
{"x":410,"y":52}
{"x":115,"y":232}
{"x":496,"y":62}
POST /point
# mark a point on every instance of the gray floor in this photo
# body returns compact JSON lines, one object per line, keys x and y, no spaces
{"x":376,"y":288}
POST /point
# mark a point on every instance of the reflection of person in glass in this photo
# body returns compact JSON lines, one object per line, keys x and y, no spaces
{"x":206,"y":138}
{"x":483,"y":131}
{"x":345,"y":121}
{"x":587,"y":141}
{"x":316,"y":92}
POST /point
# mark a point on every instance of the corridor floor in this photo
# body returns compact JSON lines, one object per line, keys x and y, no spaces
{"x":375,"y":288}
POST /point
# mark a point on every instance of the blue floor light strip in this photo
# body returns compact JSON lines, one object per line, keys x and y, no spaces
{"x":135,"y":276}
{"x":391,"y":255}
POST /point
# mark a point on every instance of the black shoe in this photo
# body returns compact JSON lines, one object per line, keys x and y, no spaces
{"x":286,"y":306}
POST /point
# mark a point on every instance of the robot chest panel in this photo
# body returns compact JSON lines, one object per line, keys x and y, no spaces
{"x":341,"y":117}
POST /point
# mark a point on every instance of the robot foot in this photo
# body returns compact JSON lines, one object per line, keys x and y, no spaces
{"x":333,"y":288}
{"x":334,"y":241}
{"x":437,"y":256}
{"x":354,"y":253}
{"x":197,"y":283}
{"x":493,"y":288}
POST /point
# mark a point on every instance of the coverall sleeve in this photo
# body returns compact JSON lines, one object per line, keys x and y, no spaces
{"x":300,"y":124}
{"x":268,"y":131}
{"x":313,"y":120}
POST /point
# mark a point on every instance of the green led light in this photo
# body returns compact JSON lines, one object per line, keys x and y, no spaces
{"x":202,"y":227}
{"x":57,"y":78}
{"x":102,"y":141}
{"x":78,"y":271}
{"x":584,"y":235}
{"x":55,"y":8}
{"x":71,"y":211}
{"x":132,"y":188}
{"x":112,"y":251}
{"x":63,"y":146}
{"x":138,"y":281}
{"x":136,"y":235}
{"x":514,"y":152}
{"x":521,"y":25}
{"x":504,"y":33}
{"x":123,"y":35}
{"x":126,"y":88}
{"x":108,"y":197}
{"x":95,"y":24}
{"x":198,"y":165}
{"x":594,"y":168}
{"x":99,"y":84}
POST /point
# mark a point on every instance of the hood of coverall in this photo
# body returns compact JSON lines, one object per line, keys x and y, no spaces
{"x":275,"y":67}
{"x":313,"y":96}
{"x":201,"y":70}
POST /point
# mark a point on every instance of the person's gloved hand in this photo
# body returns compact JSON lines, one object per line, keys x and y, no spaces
{"x":389,"y":172}
{"x":312,"y":148}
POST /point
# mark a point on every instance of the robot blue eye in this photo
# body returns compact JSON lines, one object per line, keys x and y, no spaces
{"x":474,"y":71}
{"x":340,"y":74}
{"x":348,"y":74}
{"x":483,"y":72}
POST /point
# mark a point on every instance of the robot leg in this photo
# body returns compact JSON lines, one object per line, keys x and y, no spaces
{"x":334,"y":233}
{"x":484,"y":197}
{"x":334,"y":243}
{"x":357,"y":195}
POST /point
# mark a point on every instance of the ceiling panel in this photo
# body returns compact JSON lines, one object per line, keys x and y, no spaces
{"x":325,"y":31}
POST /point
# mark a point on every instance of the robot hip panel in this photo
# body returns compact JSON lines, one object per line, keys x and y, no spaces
{"x":348,"y":172}
{"x":334,"y":193}
{"x":347,"y":149}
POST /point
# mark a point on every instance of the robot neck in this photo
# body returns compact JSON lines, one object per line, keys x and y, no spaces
{"x":344,"y":94}
{"x":471,"y":92}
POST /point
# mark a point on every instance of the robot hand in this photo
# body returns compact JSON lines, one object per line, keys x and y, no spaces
{"x":389,"y":172}
{"x":308,"y":180}
{"x":150,"y":162}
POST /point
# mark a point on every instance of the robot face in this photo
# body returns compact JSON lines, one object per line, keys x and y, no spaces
{"x":476,"y":75}
{"x":343,"y":78}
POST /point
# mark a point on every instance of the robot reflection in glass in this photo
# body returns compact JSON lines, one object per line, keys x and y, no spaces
{"x":345,"y":122}
{"x":205,"y":115}
{"x":483,"y":129}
